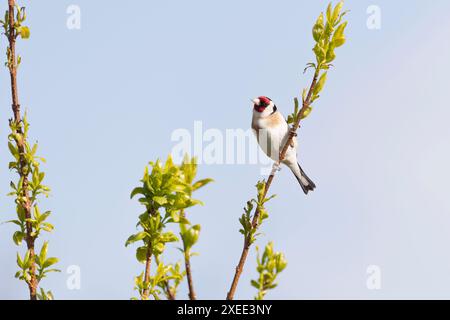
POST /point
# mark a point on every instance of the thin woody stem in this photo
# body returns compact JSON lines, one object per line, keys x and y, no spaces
{"x":170,"y":294}
{"x":268,"y":183}
{"x":26,"y":201}
{"x":148,"y":262}
{"x":187,"y":263}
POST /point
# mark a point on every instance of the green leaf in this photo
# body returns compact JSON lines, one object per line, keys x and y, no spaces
{"x":160,"y":200}
{"x":329,"y":12}
{"x":17,"y":222}
{"x":255,"y":284}
{"x":193,"y":202}
{"x":281,"y":262}
{"x":34,"y":149}
{"x":307,"y":112}
{"x":13,"y":150}
{"x":18,"y":237}
{"x":169,"y":237}
{"x":47,"y":226}
{"x":44,"y":216}
{"x":27,"y":260}
{"x":190,"y":236}
{"x":24,"y":32}
{"x":201,"y":183}
{"x":20,"y":213}
{"x":318,"y":28}
{"x":158,"y":248}
{"x":137,"y":191}
{"x":52,"y":270}
{"x":141,"y":254}
{"x":320,"y":84}
{"x":49,"y":262}
{"x":337,"y":12}
{"x":43,"y":253}
{"x":19,"y":261}
{"x":339,"y":36}
{"x":330,"y":53}
{"x":135,"y":237}
{"x":341,"y":16}
{"x":189,"y":168}
{"x":320,"y":53}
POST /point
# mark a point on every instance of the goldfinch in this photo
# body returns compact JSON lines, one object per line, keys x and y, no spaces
{"x":272,"y":131}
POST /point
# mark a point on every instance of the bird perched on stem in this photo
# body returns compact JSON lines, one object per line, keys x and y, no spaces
{"x":272,"y":132}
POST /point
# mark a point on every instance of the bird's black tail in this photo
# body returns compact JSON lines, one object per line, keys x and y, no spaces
{"x":308,"y":184}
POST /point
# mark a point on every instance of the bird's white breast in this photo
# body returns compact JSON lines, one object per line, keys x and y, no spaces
{"x":271,"y":133}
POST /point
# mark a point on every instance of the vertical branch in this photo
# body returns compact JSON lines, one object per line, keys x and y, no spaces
{"x":25,"y":200}
{"x":268,"y":183}
{"x":148,"y":262}
{"x":239,"y":269}
{"x":187,"y":263}
{"x":147,"y":271}
{"x":169,"y":292}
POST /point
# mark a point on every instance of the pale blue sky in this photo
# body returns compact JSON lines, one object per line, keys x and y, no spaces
{"x":104,"y":100}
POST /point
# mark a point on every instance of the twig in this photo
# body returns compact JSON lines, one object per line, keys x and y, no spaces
{"x":26,"y":201}
{"x":292,"y":134}
{"x":187,"y":263}
{"x":148,"y":262}
{"x":169,"y":292}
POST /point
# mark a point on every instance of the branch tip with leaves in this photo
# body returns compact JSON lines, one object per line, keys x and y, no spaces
{"x":33,"y":267}
{"x":166,"y":193}
{"x":269,"y":266}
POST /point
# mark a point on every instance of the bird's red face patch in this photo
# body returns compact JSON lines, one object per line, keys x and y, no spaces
{"x":263,"y":103}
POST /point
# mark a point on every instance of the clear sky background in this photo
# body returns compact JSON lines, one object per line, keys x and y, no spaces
{"x":104,"y":100}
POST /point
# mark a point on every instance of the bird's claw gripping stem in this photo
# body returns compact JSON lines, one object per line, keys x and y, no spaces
{"x":276,"y":167}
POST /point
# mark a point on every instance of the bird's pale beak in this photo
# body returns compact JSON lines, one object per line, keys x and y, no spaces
{"x":256,"y":101}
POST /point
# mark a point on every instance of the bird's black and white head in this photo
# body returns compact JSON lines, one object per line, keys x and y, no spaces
{"x":263,"y":106}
